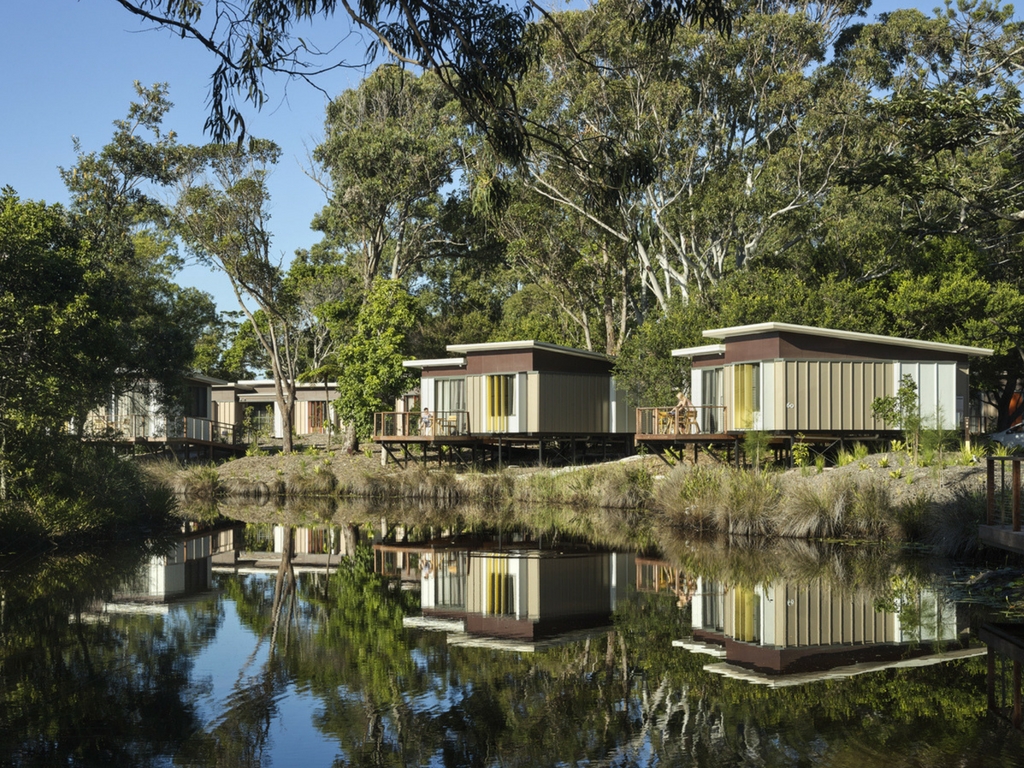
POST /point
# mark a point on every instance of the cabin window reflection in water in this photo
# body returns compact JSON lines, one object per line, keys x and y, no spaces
{"x":500,"y":587}
{"x":746,"y":615}
{"x":713,"y":607}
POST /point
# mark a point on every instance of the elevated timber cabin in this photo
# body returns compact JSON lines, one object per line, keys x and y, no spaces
{"x":788,"y":380}
{"x":512,"y":398}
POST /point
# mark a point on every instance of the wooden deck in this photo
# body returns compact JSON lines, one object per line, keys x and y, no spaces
{"x":445,"y":437}
{"x":1002,"y":528}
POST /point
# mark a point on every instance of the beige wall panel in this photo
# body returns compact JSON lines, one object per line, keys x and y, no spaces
{"x":533,"y":585}
{"x":814,"y":615}
{"x":474,"y":589}
{"x":532,"y":397}
{"x":475,"y":403}
{"x":839,"y":403}
{"x":782,"y":390}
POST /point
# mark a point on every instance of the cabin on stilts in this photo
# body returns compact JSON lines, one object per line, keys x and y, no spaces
{"x":511,"y":402}
{"x":816,"y":383}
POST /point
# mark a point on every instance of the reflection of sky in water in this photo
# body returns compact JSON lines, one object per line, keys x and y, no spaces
{"x":235,"y":657}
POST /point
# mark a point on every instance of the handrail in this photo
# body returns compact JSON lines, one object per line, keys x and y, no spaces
{"x":416,"y":424}
{"x":671,"y":420}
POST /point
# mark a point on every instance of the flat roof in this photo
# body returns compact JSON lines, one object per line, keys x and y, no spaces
{"x":437,"y":362}
{"x":504,"y":346}
{"x":707,"y":349}
{"x":750,"y":330}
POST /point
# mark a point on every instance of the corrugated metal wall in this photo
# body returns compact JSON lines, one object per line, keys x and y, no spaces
{"x":572,"y":403}
{"x":830,"y":394}
{"x":817,"y":615}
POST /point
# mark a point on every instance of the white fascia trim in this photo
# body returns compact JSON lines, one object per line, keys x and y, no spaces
{"x":749,"y":330}
{"x":501,"y":346}
{"x":707,"y":349}
{"x":438,"y":362}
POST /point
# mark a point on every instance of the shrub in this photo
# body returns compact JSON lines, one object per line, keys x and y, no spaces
{"x":687,"y":497}
{"x":748,"y":504}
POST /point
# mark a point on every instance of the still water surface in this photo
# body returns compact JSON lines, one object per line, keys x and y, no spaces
{"x":324,"y":646}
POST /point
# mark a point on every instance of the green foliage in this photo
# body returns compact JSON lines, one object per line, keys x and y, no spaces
{"x":801,"y":452}
{"x":372,"y":375}
{"x":755,"y":448}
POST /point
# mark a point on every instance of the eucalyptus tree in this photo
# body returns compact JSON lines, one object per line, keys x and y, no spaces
{"x":479,"y":49}
{"x":390,"y":152}
{"x":221,"y":214}
{"x":942,"y":140}
{"x":115,"y":202}
{"x":691,"y":157}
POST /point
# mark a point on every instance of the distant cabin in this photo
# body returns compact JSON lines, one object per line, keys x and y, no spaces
{"x":140,"y":413}
{"x":779,"y":377}
{"x":314,"y":407}
{"x":523,"y":388}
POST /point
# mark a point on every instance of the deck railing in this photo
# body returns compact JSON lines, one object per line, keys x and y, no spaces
{"x":417,"y":424}
{"x":698,"y":419}
{"x":140,"y":426}
{"x":1003,"y":491}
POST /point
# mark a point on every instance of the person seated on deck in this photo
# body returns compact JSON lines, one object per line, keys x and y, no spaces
{"x":685,"y":414}
{"x":426,"y":422}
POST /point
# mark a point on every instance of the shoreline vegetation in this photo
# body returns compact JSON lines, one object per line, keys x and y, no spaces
{"x":879,"y":497}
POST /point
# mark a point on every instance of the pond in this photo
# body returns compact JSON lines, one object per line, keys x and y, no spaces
{"x":264,"y":644}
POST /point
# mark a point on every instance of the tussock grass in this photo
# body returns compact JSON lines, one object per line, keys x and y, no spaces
{"x":315,"y":483}
{"x":952,"y":527}
{"x":687,"y":497}
{"x":626,"y":487}
{"x":748,"y":504}
{"x":201,"y":481}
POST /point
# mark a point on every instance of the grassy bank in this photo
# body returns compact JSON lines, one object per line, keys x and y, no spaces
{"x":876,"y":498}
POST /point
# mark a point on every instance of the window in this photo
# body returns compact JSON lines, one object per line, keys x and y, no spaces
{"x":449,"y":395}
{"x":747,"y":395}
{"x":711,"y":399}
{"x":746,"y":615}
{"x":196,"y":402}
{"x":500,"y":401}
{"x":317,"y":417}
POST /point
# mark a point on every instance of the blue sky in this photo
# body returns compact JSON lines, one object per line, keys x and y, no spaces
{"x":69,"y":67}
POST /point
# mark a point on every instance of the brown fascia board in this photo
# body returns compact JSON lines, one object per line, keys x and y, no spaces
{"x":508,"y":346}
{"x":737,"y":331}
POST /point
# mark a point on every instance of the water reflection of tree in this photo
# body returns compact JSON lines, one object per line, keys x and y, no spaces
{"x":81,"y":688}
{"x":392,"y":697}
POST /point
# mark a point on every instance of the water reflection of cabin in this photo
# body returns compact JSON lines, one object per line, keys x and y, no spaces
{"x":1005,"y":644}
{"x":517,"y":594}
{"x":786,"y":634}
{"x":513,"y":394}
{"x":820,"y":382}
{"x":184,"y":569}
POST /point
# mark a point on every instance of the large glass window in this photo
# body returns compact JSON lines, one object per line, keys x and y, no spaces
{"x":500,"y":401}
{"x":747,"y":395}
{"x":449,"y":395}
{"x":317,"y":417}
{"x":196,"y":404}
{"x":711,"y":399}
